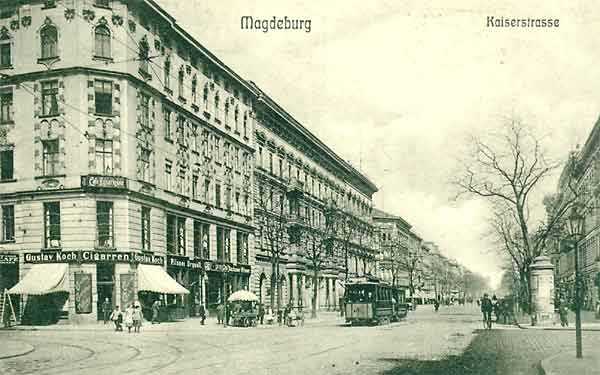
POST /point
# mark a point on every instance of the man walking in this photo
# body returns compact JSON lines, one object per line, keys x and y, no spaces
{"x":156,"y":312}
{"x":486,"y":309}
{"x":106,"y":310}
{"x":202,"y":313}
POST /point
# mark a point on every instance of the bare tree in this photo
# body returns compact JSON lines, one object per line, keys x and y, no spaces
{"x":273,"y":225}
{"x":505,"y":170}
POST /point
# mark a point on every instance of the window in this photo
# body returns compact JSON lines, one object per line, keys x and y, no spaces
{"x":102,"y":39}
{"x":175,"y":235}
{"x":168,"y":175}
{"x":180,"y":130}
{"x":217,"y":149}
{"x":51,"y":225}
{"x":218,"y":195}
{"x":5,"y":54}
{"x":237,"y":202}
{"x":103,"y":94}
{"x":205,"y":241}
{"x":104,"y":156}
{"x":180,"y":77}
{"x":49,"y":39}
{"x":194,"y":89}
{"x":146,"y":244}
{"x":199,"y":227}
{"x":50,"y":158}
{"x":50,"y":98}
{"x":6,"y":106}
{"x":236,"y":115}
{"x":194,"y":187}
{"x":145,"y":107}
{"x":145,"y":160}
{"x":167,"y":73}
{"x":8,"y":223}
{"x":228,"y":197}
{"x":259,"y":160}
{"x":271,"y":162}
{"x":227,"y":106}
{"x":104,"y":221}
{"x":167,"y":120}
{"x":205,"y":97}
{"x":8,"y":11}
{"x":181,"y":186}
{"x":206,"y":197}
{"x":245,"y":124}
{"x":6,"y":165}
{"x":223,"y":245}
{"x":217,"y":107}
{"x":242,"y":248}
{"x":102,"y":3}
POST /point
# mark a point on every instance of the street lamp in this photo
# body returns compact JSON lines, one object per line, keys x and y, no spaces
{"x":576,"y":220}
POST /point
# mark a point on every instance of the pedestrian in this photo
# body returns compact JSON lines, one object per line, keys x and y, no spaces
{"x":436,"y":305}
{"x":227,"y":313}
{"x":563,"y":312}
{"x":106,"y":310}
{"x":495,"y":306}
{"x":220,"y":310}
{"x":117,"y":318}
{"x":129,"y":318}
{"x":486,"y":309}
{"x":137,"y":318}
{"x":156,"y":312}
{"x":202,"y":313}
{"x":261,"y":313}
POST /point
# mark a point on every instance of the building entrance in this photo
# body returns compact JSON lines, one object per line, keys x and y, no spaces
{"x":105,"y":285}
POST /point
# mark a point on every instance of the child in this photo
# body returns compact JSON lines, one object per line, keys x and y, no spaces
{"x":117,"y":317}
{"x":129,"y":318}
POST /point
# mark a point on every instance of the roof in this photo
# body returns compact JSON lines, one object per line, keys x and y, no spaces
{"x":379,"y":214}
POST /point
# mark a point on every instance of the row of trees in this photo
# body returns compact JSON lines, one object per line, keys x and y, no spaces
{"x":507,"y":169}
{"x":281,"y":224}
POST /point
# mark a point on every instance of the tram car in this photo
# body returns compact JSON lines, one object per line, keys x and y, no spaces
{"x":370,"y":301}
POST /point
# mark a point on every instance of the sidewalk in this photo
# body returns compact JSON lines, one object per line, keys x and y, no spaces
{"x":14,"y":348}
{"x":588,"y":322}
{"x":566,"y":363}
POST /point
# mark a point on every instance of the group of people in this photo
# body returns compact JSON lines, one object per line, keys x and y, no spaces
{"x":487,"y":307}
{"x":285,"y":316}
{"x":132,"y":317}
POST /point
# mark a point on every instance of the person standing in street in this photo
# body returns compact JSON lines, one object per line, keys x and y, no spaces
{"x":261,"y":313}
{"x":563,"y":312}
{"x":486,"y":309}
{"x":202,"y":313}
{"x":436,"y":305}
{"x":117,"y":317}
{"x":129,"y":318}
{"x":220,"y":310}
{"x":495,"y":306}
{"x":156,"y":312}
{"x":106,"y":310}
{"x":137,"y":319}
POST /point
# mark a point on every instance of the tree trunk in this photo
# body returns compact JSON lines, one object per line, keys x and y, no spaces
{"x":313,"y":313}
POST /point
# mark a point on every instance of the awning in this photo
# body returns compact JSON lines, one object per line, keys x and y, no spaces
{"x":43,"y":279}
{"x":152,"y":278}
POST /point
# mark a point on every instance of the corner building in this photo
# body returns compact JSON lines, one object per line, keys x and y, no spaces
{"x":124,"y":143}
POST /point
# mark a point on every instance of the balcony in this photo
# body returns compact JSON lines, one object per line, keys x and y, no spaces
{"x":295,"y":187}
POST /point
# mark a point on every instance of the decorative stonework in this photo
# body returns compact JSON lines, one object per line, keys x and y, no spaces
{"x":88,"y":15}
{"x":14,"y":25}
{"x":26,"y":21}
{"x":69,"y":14}
{"x":131,"y":25}
{"x":117,"y":20}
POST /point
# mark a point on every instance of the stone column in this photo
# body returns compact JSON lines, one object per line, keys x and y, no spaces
{"x":293,"y":290}
{"x":542,"y":290}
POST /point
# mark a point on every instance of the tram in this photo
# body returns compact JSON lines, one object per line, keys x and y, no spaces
{"x":371,"y":301}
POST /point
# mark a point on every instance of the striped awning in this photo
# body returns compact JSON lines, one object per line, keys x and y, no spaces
{"x":43,"y":279}
{"x":152,"y":278}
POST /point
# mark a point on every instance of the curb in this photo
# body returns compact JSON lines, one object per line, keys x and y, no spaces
{"x":543,"y":365}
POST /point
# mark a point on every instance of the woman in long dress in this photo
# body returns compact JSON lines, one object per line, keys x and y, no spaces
{"x":129,"y":318}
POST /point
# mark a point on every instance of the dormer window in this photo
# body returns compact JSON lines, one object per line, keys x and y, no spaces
{"x":49,"y":41}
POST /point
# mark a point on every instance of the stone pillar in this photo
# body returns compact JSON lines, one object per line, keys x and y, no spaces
{"x":542,"y":290}
{"x":293,"y":290}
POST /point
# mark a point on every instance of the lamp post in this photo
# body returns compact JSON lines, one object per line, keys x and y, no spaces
{"x":576,"y":220}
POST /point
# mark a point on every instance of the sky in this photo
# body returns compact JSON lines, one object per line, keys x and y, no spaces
{"x":396,"y":87}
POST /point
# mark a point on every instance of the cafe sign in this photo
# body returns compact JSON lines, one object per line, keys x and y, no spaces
{"x":105,"y":182}
{"x":92,"y":256}
{"x":9,"y":259}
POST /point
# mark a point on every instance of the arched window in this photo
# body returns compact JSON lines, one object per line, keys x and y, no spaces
{"x":102,"y":38}
{"x":49,"y":39}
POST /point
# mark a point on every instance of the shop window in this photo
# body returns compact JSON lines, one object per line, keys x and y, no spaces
{"x":6,"y":165}
{"x":175,"y":235}
{"x":52,"y":225}
{"x":103,"y":97}
{"x":146,"y":244}
{"x":104,"y":224}
{"x":49,"y":42}
{"x":104,"y":157}
{"x":50,"y":98}
{"x":50,"y":158}
{"x":5,"y":54}
{"x":6,"y":106}
{"x":102,"y":42}
{"x":8,"y":223}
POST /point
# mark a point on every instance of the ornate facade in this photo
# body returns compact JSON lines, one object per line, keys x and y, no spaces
{"x":121,"y":134}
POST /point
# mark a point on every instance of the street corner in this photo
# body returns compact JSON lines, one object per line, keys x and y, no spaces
{"x":14,"y":348}
{"x":565,"y":363}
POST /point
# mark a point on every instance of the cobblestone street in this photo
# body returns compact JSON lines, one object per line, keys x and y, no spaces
{"x":426,"y":343}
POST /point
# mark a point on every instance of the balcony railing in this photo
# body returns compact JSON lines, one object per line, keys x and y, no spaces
{"x":295,"y":187}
